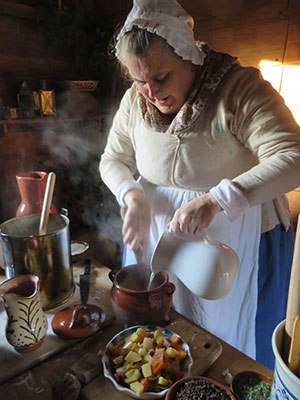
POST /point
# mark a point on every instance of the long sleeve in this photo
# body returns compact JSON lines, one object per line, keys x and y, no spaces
{"x":262,"y":122}
{"x":117,"y":163}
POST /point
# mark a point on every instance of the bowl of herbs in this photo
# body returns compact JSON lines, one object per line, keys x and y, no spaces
{"x":251,"y":385}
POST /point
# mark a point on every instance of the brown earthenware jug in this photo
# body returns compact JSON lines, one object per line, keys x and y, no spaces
{"x":133,"y":302}
{"x":32,"y":186}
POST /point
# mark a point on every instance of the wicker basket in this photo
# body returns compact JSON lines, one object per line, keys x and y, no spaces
{"x":82,"y":86}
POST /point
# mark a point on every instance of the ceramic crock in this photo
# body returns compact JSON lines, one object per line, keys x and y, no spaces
{"x":48,"y":256}
{"x":286,"y":385}
{"x":133,"y":303}
{"x":26,"y":325}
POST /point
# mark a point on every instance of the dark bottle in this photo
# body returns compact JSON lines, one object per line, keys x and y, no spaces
{"x":26,"y":101}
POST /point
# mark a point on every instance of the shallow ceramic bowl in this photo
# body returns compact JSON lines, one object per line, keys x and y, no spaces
{"x":77,"y":322}
{"x":78,"y":250}
{"x":174,"y":389}
{"x":108,"y":372}
{"x":245,"y":376}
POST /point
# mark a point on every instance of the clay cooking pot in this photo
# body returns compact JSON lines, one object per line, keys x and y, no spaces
{"x":133,"y":303}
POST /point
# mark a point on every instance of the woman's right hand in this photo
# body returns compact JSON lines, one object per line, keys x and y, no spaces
{"x":136,"y":220}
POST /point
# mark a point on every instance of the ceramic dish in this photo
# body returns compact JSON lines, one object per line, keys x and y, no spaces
{"x":78,"y":250}
{"x":251,"y":382}
{"x":203,"y":382}
{"x":107,"y":360}
{"x":78,"y":322}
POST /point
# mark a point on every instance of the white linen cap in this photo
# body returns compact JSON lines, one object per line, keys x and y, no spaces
{"x":169,"y":20}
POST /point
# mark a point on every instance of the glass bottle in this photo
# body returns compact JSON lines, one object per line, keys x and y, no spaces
{"x":26,"y":101}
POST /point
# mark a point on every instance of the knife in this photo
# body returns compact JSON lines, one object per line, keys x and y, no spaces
{"x":84,"y":282}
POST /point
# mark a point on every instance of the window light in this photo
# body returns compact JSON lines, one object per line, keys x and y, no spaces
{"x":286,"y":80}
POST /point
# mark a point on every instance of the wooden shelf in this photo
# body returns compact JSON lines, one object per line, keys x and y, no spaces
{"x":6,"y":123}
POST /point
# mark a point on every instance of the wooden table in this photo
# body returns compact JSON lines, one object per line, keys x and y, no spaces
{"x":37,"y":382}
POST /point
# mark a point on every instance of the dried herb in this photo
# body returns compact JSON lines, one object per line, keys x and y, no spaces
{"x":200,"y":389}
{"x":252,"y":388}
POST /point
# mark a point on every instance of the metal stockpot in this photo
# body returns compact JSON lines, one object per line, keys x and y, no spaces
{"x":47,"y":256}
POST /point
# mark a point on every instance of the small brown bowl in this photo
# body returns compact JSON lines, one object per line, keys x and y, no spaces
{"x":247,"y":376}
{"x":176,"y":387}
{"x":78,"y":250}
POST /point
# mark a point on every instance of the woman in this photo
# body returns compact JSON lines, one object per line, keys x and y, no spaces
{"x":213,"y":146}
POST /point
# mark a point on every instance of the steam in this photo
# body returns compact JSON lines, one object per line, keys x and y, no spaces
{"x":75,"y":150}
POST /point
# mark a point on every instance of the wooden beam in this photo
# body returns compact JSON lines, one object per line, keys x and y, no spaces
{"x":17,"y":10}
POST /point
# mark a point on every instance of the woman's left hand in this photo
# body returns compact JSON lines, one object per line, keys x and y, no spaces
{"x":194,"y":216}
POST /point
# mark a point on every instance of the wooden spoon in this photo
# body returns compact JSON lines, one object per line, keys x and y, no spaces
{"x":47,"y":203}
{"x":294,"y":356}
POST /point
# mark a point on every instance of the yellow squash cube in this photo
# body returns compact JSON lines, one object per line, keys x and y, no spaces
{"x":137,"y":387}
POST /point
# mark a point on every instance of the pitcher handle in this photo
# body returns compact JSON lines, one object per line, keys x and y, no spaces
{"x":112,"y":274}
{"x":170,"y":288}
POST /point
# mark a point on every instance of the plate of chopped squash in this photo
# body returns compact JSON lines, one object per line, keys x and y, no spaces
{"x":143,"y":361}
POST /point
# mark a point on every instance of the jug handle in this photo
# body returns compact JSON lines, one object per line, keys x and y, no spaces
{"x":170,"y":288}
{"x":208,"y":239}
{"x":112,"y":274}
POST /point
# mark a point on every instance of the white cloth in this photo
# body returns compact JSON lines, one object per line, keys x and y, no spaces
{"x":168,"y":20}
{"x":231,"y":318}
{"x":230,"y":198}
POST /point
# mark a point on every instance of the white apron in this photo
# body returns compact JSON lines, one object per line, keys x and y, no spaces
{"x":231,"y":318}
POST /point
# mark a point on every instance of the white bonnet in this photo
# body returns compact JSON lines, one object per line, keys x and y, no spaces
{"x":167,"y":19}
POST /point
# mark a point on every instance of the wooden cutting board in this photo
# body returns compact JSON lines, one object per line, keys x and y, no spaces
{"x":205,"y":350}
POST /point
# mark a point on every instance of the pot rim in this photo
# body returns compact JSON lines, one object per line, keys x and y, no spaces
{"x":19,"y":279}
{"x":31,"y":216}
{"x":278,"y":357}
{"x":32,"y":175}
{"x":131,"y":291}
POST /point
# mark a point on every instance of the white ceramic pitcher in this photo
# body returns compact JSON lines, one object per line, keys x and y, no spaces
{"x":206,"y":266}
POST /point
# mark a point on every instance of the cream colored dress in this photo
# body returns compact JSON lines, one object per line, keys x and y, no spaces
{"x":244,"y":134}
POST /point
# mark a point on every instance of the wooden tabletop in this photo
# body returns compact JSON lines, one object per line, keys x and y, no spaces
{"x":37,"y":382}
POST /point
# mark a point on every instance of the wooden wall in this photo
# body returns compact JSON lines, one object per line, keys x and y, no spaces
{"x":22,"y":49}
{"x":252,"y":30}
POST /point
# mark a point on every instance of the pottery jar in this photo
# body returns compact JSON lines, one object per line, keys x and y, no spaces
{"x":26,"y":325}
{"x":32,"y":185}
{"x":133,"y":303}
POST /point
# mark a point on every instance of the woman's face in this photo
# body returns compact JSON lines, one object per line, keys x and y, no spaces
{"x":162,"y":77}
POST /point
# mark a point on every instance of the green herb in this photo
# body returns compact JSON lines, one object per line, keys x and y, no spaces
{"x":252,"y":388}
